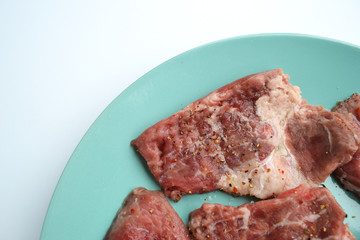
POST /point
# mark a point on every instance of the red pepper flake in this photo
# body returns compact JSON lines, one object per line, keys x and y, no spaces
{"x":132,"y":211}
{"x":235,"y":190}
{"x":357,"y":113}
{"x":282,"y":171}
{"x":174,"y":160}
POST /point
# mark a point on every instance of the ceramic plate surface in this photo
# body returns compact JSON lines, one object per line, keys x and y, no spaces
{"x":104,"y":168}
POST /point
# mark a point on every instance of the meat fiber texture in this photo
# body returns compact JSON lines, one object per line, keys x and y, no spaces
{"x":254,"y":136}
{"x":147,"y":215}
{"x":349,"y":174}
{"x":300,"y":213}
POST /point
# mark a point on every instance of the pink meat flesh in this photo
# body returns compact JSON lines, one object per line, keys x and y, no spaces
{"x":147,"y":215}
{"x":300,"y":213}
{"x":349,"y":174}
{"x":253,"y":136}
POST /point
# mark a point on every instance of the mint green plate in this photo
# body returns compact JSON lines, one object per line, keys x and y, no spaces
{"x":104,"y":168}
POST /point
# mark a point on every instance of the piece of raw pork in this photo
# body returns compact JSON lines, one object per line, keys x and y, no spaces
{"x":299,"y":213}
{"x":349,"y":174}
{"x":254,"y":136}
{"x":147,"y":215}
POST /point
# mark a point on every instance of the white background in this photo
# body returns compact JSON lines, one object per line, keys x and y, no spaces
{"x":63,"y":62}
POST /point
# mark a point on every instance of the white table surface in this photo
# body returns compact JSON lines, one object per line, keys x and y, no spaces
{"x":63,"y":62}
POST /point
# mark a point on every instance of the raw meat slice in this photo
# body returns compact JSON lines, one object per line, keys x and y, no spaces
{"x":349,"y":174}
{"x":253,"y":136}
{"x":147,"y":215}
{"x":299,"y":213}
